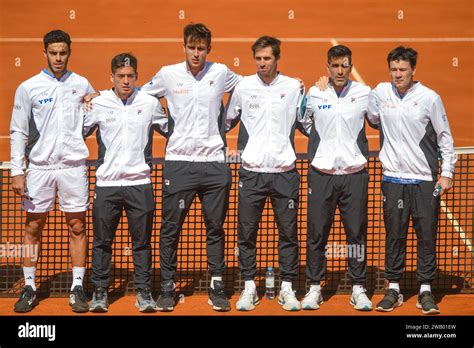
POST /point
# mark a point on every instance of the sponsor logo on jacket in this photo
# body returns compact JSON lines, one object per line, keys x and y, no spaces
{"x":324,"y":107}
{"x":46,"y":100}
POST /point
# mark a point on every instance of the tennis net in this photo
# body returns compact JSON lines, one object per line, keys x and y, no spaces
{"x":455,"y":261}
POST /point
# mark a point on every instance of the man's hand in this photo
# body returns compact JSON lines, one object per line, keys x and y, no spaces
{"x":445,"y":183}
{"x":18,"y":185}
{"x":87,"y":101}
{"x":322,"y":83}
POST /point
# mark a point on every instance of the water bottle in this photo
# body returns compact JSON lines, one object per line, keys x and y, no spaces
{"x":270,"y":283}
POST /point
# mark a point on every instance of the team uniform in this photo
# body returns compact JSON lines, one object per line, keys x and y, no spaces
{"x":414,"y":132}
{"x":124,"y":135}
{"x":338,"y":152}
{"x":195,"y":158}
{"x":46,"y":130}
{"x":268,"y":114}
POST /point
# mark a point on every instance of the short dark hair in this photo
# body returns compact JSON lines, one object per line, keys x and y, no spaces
{"x":56,"y":36}
{"x":403,"y":53}
{"x":339,"y":51}
{"x":124,"y":60}
{"x":195,"y":32}
{"x":267,"y":41}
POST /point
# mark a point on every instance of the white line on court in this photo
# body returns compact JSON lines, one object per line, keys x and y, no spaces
{"x":248,"y":39}
{"x":456,"y":225}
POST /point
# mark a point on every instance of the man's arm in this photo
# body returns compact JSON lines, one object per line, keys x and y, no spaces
{"x":90,"y":120}
{"x":160,"y":120}
{"x":156,"y":87}
{"x":373,"y":109}
{"x":19,"y":131}
{"x":440,"y":123}
{"x":233,"y":110}
{"x":305,"y":115}
{"x":301,"y":126}
{"x":231,"y":80}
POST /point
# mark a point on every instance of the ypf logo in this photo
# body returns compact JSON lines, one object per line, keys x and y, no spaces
{"x":324,"y":107}
{"x":46,"y":100}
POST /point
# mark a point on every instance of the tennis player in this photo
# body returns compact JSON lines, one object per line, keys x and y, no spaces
{"x":46,"y":135}
{"x":125,"y":119}
{"x":267,"y":104}
{"x":415,"y":132}
{"x":334,"y":120}
{"x":194,"y":160}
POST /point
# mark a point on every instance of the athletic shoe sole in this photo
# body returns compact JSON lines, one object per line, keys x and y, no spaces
{"x":362,"y":309}
{"x":77,"y":309}
{"x":147,"y":309}
{"x":33,"y":305}
{"x":246,"y":309}
{"x":289,"y":308}
{"x":310,"y":307}
{"x":165,"y":309}
{"x":381,"y":309}
{"x":98,"y":309}
{"x":431,"y":311}
{"x":216,"y":308}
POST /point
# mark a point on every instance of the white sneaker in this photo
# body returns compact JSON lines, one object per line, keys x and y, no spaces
{"x":288,"y":301}
{"x":360,"y":301}
{"x":312,"y":300}
{"x":247,"y":301}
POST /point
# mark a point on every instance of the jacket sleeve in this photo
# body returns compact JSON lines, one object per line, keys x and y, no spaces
{"x":231,"y":80}
{"x":90,"y":120}
{"x":156,"y":87}
{"x":160,"y":120}
{"x":19,"y":130}
{"x":305,"y":114}
{"x":440,"y":123}
{"x":233,"y":110}
{"x":90,"y":89}
{"x":373,"y":110}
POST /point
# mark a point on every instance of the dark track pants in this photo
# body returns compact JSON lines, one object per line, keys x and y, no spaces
{"x":283,"y":190}
{"x":139,"y":205}
{"x":401,"y":202}
{"x":211,"y":181}
{"x":349,"y":192}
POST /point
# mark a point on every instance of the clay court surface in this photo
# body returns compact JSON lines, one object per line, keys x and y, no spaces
{"x":452,"y":305}
{"x":441,"y":31}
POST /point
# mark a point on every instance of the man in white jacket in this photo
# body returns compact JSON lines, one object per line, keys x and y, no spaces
{"x":195,"y":158}
{"x":46,"y":131}
{"x":125,"y":119}
{"x":334,"y":120}
{"x":415,"y":132}
{"x":267,"y":104}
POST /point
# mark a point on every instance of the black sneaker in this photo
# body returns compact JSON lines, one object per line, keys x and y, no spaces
{"x":217,"y":297}
{"x":145,"y":302}
{"x":100,"y":303}
{"x":78,"y":300}
{"x":166,"y":300}
{"x":391,"y":300}
{"x":27,"y":300}
{"x":426,"y":303}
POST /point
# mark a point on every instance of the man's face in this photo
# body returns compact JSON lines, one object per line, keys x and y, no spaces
{"x":57,"y":54}
{"x":265,"y":62}
{"x":124,"y":80}
{"x":196,"y":52}
{"x":402,"y":74}
{"x":339,"y":70}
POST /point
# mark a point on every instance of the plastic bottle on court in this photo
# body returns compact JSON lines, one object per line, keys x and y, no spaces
{"x":270,"y":283}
